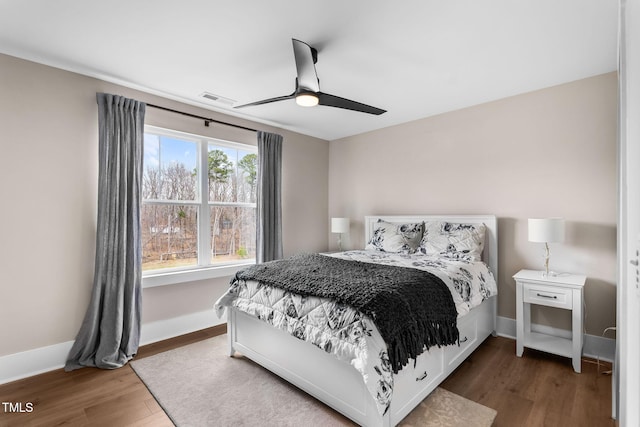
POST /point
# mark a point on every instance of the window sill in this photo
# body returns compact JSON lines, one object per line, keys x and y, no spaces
{"x":176,"y":277}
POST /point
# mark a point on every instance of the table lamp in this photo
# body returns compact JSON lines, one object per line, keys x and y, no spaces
{"x":340,"y":226}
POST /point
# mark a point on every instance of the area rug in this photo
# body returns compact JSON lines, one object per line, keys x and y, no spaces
{"x":199,"y":385}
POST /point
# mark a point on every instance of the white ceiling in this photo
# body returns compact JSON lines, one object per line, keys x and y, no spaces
{"x":414,"y":58}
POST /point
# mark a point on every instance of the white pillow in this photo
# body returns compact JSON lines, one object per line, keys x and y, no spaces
{"x":452,"y":240}
{"x":388,"y":237}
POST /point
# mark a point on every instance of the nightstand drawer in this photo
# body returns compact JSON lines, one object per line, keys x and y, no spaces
{"x":548,"y":295}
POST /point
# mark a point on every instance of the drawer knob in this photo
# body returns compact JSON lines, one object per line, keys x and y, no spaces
{"x":421,"y":377}
{"x":547,"y":296}
{"x":465,"y":339}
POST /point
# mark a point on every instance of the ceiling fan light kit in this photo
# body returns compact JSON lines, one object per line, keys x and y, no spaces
{"x":306,"y":99}
{"x":307,"y":93}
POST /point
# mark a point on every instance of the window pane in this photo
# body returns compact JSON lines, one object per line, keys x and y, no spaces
{"x":170,"y":166}
{"x":169,"y":236}
{"x":151,"y":178}
{"x":247,"y":176}
{"x":221,"y":164}
{"x":232,"y":174}
{"x":233,"y":233}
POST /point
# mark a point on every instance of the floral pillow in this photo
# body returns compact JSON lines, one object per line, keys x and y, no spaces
{"x":388,"y":237}
{"x":452,"y":240}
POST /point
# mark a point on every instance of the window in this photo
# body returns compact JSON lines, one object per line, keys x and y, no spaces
{"x":198,"y":202}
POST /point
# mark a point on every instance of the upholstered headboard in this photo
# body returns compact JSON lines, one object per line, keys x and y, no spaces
{"x":490,"y":252}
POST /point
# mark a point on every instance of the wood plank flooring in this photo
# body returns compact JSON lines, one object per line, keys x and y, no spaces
{"x":538,"y":389}
{"x":535,"y":390}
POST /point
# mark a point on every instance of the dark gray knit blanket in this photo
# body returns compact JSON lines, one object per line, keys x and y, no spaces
{"x":412,"y":309}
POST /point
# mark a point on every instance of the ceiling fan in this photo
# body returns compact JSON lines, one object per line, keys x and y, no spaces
{"x":307,"y":93}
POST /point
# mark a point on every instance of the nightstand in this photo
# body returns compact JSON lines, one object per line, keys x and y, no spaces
{"x":562,"y":291}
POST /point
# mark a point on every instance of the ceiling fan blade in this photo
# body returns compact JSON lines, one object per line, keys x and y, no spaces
{"x":306,"y":57}
{"x":347,"y":104}
{"x":267,"y":101}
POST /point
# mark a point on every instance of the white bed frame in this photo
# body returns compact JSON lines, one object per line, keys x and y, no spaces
{"x":337,"y":383}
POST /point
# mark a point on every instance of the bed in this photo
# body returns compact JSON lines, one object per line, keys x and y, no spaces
{"x":350,"y":388}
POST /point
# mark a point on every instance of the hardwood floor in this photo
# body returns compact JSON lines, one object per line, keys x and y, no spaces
{"x":92,"y":397}
{"x":535,"y":390}
{"x":538,"y":389}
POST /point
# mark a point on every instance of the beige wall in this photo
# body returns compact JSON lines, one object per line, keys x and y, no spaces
{"x":48,"y":180}
{"x":547,"y":153}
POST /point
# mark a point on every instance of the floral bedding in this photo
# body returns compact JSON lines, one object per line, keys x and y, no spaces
{"x":345,"y":332}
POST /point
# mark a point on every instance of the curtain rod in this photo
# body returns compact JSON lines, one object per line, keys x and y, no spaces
{"x":206,"y":120}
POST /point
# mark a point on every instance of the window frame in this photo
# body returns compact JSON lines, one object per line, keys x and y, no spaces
{"x":204,"y":269}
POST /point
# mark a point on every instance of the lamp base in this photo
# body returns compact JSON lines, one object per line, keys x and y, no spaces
{"x":546,"y":272}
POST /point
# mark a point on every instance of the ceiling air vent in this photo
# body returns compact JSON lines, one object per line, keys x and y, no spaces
{"x":217,"y":98}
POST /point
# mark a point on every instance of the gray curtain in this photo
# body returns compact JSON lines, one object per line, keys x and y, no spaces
{"x":269,"y":228}
{"x":110,"y":332}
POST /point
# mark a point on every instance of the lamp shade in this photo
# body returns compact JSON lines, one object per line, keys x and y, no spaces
{"x":339,"y":225}
{"x":546,"y":230}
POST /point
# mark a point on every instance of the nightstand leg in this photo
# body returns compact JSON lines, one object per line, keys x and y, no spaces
{"x":520,"y":306}
{"x":577,"y":331}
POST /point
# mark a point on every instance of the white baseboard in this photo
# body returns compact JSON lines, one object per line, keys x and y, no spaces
{"x":37,"y":361}
{"x":33,"y":362}
{"x":165,"y":329}
{"x":594,"y":346}
{"x":44,"y":359}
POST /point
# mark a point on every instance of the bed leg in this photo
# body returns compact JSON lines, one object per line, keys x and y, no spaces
{"x":495,"y":317}
{"x":231,"y":332}
{"x":232,"y":351}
